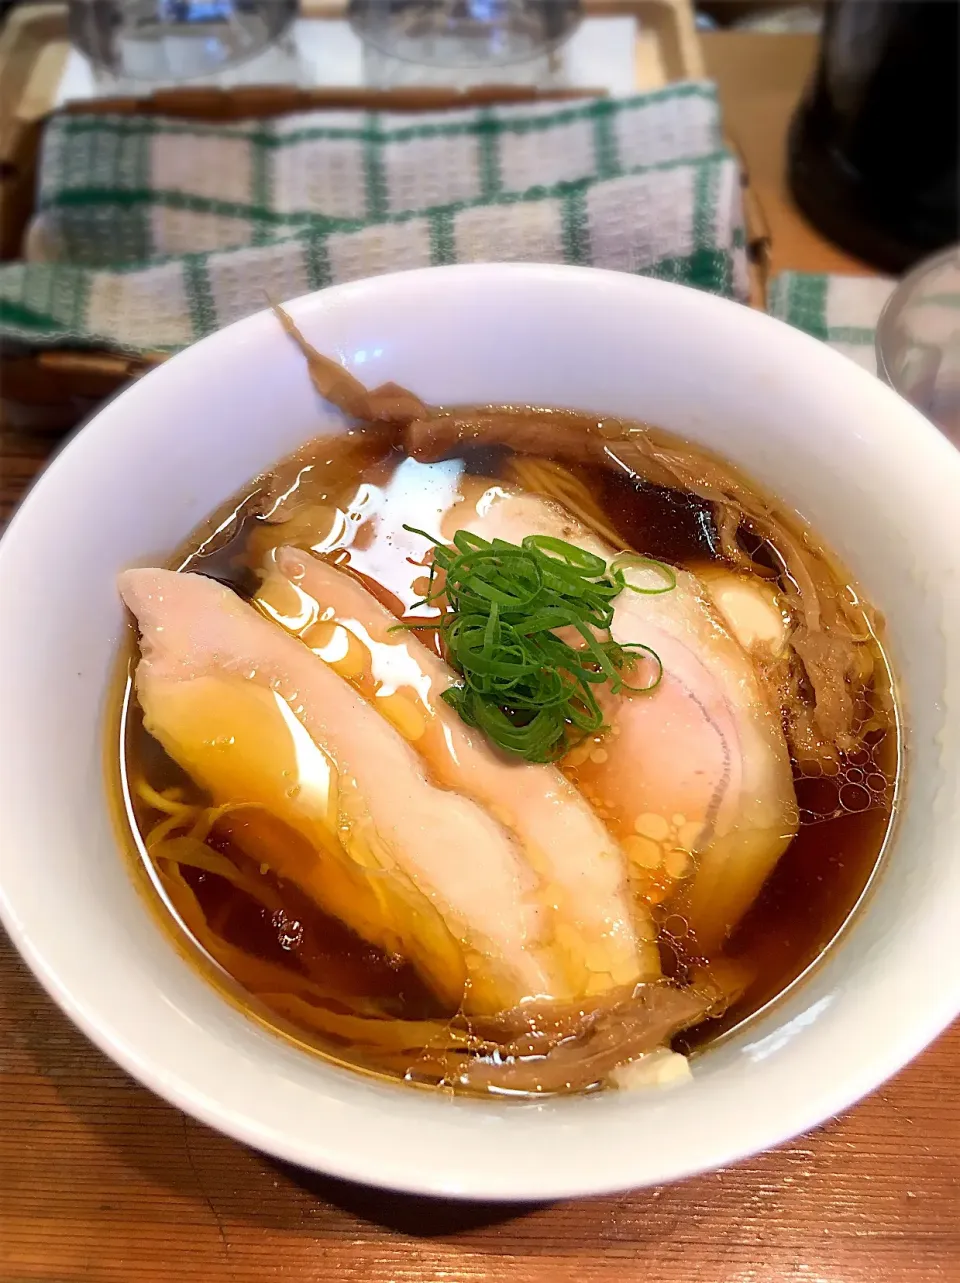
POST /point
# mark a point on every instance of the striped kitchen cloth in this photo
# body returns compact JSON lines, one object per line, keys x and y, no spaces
{"x":841,"y":310}
{"x":150,"y":233}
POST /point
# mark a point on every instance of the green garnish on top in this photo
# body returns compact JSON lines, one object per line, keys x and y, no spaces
{"x":529,"y":690}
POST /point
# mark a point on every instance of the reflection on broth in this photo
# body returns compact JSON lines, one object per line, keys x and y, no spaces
{"x":618,"y":780}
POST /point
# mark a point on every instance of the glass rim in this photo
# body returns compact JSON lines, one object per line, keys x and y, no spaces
{"x":79,"y":12}
{"x":362,"y":27}
{"x":893,"y":309}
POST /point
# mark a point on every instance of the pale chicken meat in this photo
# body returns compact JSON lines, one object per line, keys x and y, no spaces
{"x":694,"y":777}
{"x":258,"y":720}
{"x":581,"y":869}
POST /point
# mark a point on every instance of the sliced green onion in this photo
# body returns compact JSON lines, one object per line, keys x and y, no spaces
{"x":522,"y":684}
{"x":634,"y":561}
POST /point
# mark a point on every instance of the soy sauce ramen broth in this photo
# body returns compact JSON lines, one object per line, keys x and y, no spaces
{"x":261,"y":949}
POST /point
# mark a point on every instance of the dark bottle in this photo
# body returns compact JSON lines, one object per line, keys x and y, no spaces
{"x":874,"y":145}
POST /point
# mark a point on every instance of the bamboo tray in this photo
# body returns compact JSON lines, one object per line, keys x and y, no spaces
{"x":55,"y":389}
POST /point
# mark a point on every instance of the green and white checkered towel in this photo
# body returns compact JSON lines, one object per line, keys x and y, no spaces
{"x":150,"y":233}
{"x":841,"y":310}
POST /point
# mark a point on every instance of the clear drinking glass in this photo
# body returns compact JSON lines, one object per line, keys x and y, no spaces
{"x":462,"y":42}
{"x":134,"y":44}
{"x":918,"y":340}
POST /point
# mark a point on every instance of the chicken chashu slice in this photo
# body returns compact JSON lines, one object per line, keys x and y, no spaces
{"x":256,"y":719}
{"x":694,"y":777}
{"x":580,"y":866}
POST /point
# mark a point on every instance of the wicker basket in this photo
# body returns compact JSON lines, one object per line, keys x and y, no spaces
{"x":55,"y":389}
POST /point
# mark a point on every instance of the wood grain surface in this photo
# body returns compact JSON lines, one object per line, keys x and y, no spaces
{"x":100,"y":1180}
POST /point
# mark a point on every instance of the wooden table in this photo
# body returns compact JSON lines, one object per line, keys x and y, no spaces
{"x":99,"y":1180}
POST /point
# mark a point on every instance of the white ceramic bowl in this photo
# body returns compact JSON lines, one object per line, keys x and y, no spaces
{"x":870,"y":473}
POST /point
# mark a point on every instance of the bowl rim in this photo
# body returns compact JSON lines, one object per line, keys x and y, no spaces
{"x":845,"y":1088}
